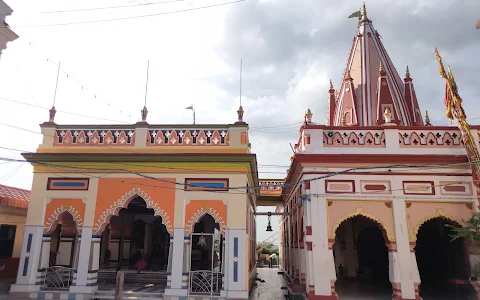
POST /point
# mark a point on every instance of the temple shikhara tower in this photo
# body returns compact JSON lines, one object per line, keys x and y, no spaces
{"x":368,"y":196}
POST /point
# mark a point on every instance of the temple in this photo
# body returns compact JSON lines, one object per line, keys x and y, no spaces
{"x":370,"y":84}
{"x":369,"y":197}
{"x":170,"y":205}
{"x":368,"y":204}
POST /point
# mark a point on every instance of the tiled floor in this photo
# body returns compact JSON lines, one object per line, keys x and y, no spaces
{"x":271,"y":288}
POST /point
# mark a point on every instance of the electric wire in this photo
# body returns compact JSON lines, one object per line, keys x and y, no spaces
{"x":125,"y":18}
{"x":108,"y":7}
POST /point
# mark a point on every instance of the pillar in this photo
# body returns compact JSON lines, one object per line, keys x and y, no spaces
{"x":323,"y":263}
{"x":176,"y":266}
{"x":94,"y":263}
{"x":80,"y":273}
{"x":29,"y":260}
{"x":44,"y":258}
{"x":147,"y":238}
{"x":403,"y":264}
{"x":121,"y":242}
{"x":306,"y":199}
{"x":104,"y":245}
{"x":235,"y":274}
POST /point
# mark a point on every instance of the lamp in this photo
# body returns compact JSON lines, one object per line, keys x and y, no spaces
{"x":269,"y":225}
{"x":201,"y":241}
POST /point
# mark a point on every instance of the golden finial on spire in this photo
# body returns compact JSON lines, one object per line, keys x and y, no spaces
{"x":380,"y":68}
{"x":343,"y":121}
{"x":427,"y":118}
{"x":364,"y":12}
{"x":407,"y":73}
{"x":331,"y":85}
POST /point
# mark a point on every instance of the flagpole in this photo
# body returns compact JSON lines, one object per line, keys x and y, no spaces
{"x":193,"y":116}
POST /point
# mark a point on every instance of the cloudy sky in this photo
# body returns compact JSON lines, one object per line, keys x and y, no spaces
{"x":290,"y":49}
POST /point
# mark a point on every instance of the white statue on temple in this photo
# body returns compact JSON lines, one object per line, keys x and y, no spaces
{"x":387,"y":115}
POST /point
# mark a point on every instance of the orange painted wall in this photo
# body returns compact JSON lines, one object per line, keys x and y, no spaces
{"x":111,"y":193}
{"x":56,"y":207}
{"x":197,"y":208}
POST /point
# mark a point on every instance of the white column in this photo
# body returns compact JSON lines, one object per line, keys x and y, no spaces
{"x":306,"y":199}
{"x":236,"y":272}
{"x":44,"y":258}
{"x":289,"y":243}
{"x":29,"y":260}
{"x":81,"y":273}
{"x":405,"y":270}
{"x":94,"y":261}
{"x":324,"y":267}
{"x":176,"y":266}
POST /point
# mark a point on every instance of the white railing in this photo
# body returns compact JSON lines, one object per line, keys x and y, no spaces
{"x":205,"y":282}
{"x":58,"y":277}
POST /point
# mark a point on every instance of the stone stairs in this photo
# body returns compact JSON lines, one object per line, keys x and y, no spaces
{"x":140,"y":286}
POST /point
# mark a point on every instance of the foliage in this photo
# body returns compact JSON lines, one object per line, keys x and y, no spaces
{"x":267,"y":248}
{"x":470,"y":230}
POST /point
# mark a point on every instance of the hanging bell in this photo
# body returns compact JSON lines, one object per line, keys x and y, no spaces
{"x":201,"y":241}
{"x":269,"y":225}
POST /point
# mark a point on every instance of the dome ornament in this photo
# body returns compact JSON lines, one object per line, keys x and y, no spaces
{"x":364,"y":12}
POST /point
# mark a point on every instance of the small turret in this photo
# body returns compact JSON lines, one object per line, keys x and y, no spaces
{"x":331,"y":104}
{"x":411,"y":99}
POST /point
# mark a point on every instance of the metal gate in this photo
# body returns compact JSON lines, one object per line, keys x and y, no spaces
{"x":205,"y":276}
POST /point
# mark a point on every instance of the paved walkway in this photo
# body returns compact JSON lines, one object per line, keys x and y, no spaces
{"x":271,"y":288}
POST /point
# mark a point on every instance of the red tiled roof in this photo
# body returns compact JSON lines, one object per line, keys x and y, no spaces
{"x":15,"y":197}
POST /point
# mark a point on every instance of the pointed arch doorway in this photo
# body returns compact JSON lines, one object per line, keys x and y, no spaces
{"x":206,"y":258}
{"x":135,"y":239}
{"x":361,"y":259}
{"x":442,"y":262}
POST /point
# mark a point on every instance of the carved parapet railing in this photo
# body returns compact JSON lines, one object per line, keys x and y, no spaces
{"x":353,"y":138}
{"x":188,"y":137}
{"x":94,"y":137}
{"x":430,"y":138}
{"x":271,"y":186}
{"x":145,"y":136}
{"x":396,"y":138}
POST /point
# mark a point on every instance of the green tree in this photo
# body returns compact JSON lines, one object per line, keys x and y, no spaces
{"x":470,"y":230}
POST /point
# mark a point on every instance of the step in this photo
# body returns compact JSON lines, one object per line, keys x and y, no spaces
{"x":136,"y":297}
{"x":131,"y":276}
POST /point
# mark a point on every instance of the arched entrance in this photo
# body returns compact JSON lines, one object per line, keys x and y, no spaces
{"x":206,"y":259}
{"x":64,"y":239}
{"x":361,"y":259}
{"x":442,"y":262}
{"x":135,"y":239}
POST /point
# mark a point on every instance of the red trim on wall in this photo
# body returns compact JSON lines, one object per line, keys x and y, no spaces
{"x":379,"y":158}
{"x":312,"y":296}
{"x":308,"y":230}
{"x":309,"y":246}
{"x":339,"y":181}
{"x":396,"y":173}
{"x":432,"y":187}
